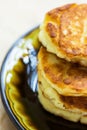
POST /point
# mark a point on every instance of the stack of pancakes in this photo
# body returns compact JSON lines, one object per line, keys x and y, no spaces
{"x":62,"y":62}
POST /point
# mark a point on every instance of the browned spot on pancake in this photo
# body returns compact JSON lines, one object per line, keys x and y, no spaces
{"x":67,"y":81}
{"x":78,"y":102}
{"x":52,"y":30}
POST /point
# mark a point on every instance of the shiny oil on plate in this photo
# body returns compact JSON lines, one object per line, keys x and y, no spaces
{"x":19,"y":88}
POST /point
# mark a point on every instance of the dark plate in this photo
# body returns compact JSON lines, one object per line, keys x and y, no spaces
{"x":18,"y":82}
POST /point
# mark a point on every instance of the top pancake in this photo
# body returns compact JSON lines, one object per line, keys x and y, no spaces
{"x":68,"y":79}
{"x":64,"y":32}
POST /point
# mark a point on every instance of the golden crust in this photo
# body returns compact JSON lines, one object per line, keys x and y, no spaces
{"x":64,"y":32}
{"x":68,"y":79}
{"x":73,"y":30}
{"x":52,"y":20}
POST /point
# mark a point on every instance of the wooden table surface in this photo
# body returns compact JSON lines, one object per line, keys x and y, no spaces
{"x":16,"y":18}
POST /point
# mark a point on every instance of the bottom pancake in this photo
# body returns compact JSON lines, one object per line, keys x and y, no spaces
{"x":52,"y":102}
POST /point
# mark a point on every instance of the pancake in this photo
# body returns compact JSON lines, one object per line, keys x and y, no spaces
{"x":64,"y":32}
{"x":63,"y":106}
{"x":70,"y":104}
{"x":68,"y":79}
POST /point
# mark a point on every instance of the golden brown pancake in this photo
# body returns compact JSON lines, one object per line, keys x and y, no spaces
{"x":59,"y":87}
{"x":64,"y":32}
{"x":68,"y":79}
